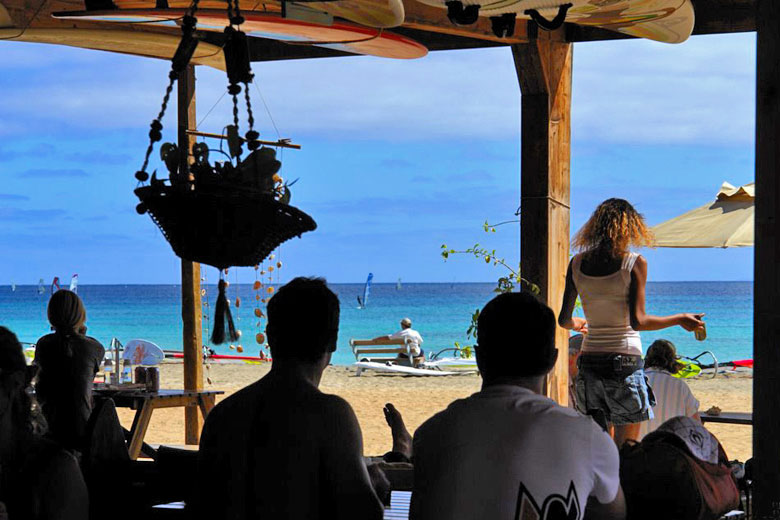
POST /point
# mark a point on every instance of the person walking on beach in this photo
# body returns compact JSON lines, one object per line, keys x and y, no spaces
{"x":68,"y":361}
{"x":407,"y":333}
{"x":280,"y":448}
{"x":610,"y":280}
{"x":508,"y":452}
{"x":673,"y":394}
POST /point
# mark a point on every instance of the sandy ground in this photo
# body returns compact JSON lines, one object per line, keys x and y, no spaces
{"x":420,"y":397}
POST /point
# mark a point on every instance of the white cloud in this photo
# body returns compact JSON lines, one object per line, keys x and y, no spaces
{"x":625,"y":91}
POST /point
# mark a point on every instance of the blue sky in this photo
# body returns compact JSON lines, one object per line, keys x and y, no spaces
{"x":398,"y":156}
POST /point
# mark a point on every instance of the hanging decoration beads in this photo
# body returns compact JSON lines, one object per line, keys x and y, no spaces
{"x":233,"y":213}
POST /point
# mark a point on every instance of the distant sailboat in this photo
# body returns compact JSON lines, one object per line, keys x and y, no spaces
{"x":55,"y":285}
{"x":398,"y":285}
{"x":13,"y":287}
{"x":41,"y":288}
{"x":366,"y":291}
{"x":74,"y":283}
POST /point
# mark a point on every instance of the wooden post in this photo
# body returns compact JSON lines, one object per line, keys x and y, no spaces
{"x":192,"y":334}
{"x":766,"y":312}
{"x":544,"y":70}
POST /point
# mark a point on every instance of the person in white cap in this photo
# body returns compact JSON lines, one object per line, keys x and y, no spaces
{"x":407,"y":333}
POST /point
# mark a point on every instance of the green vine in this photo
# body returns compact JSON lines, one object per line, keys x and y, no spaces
{"x":504,"y":284}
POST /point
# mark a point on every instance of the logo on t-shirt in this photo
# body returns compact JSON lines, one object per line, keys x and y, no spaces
{"x":553,"y":507}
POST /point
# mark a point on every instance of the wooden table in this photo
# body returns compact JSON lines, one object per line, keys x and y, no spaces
{"x":728,"y":418}
{"x":145,"y":402}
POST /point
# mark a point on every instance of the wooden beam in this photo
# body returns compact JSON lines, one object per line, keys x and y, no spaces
{"x":544,"y":71}
{"x":766,"y":284}
{"x":434,"y":19}
{"x":724,"y":16}
{"x":192,"y":334}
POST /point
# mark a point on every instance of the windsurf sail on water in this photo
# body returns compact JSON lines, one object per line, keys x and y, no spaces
{"x":398,"y":285}
{"x":13,"y":287}
{"x":41,"y":288}
{"x":366,"y":291}
{"x":74,"y":283}
{"x":55,"y":284}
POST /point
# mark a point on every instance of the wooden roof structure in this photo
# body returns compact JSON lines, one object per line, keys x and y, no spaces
{"x":425,"y":24}
{"x":543,"y":61}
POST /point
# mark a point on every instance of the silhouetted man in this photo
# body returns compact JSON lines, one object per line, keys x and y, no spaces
{"x":508,"y":452}
{"x":280,"y":448}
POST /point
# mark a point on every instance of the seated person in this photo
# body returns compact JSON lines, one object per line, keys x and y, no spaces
{"x":68,"y":361}
{"x":575,"y":349}
{"x":508,"y":452}
{"x":39,"y":480}
{"x":672,"y":395}
{"x":280,"y":448}
{"x":407,"y":333}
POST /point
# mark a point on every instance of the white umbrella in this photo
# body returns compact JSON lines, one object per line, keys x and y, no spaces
{"x":726,"y":222}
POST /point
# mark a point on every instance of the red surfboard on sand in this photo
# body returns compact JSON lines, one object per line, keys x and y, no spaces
{"x":224,"y":358}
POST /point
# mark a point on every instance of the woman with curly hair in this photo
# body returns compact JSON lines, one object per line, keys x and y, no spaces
{"x":610,"y":280}
{"x":672,"y":393}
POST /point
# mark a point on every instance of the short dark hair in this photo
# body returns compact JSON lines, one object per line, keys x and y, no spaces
{"x":303,"y":320}
{"x":516,"y":337}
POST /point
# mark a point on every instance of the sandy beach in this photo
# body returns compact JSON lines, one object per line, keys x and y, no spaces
{"x":420,"y":397}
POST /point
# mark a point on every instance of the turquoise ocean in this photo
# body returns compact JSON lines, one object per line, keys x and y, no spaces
{"x":440,"y":312}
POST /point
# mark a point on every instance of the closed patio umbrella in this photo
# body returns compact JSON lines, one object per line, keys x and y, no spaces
{"x":726,"y":222}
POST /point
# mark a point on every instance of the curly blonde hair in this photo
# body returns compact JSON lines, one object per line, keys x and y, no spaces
{"x":613,"y":228}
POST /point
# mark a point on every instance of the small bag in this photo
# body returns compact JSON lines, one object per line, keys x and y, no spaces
{"x":661,"y":478}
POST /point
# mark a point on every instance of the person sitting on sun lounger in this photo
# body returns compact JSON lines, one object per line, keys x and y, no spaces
{"x":508,"y":452}
{"x":280,"y":448}
{"x":407,"y":333}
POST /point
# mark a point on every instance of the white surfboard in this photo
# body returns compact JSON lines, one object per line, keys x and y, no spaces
{"x":142,"y":352}
{"x":392,"y":368}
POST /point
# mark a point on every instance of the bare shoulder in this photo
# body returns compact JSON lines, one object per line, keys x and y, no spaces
{"x":334,"y":405}
{"x":640,"y":265}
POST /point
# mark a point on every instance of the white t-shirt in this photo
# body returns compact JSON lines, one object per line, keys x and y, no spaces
{"x":506,"y":453}
{"x":673,"y":398}
{"x":414,"y":338}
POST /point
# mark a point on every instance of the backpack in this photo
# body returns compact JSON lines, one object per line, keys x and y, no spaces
{"x":661,"y":478}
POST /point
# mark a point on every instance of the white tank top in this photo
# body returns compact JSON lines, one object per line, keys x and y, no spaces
{"x":605,"y":302}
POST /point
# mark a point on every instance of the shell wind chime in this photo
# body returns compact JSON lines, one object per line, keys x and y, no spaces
{"x":231,"y":213}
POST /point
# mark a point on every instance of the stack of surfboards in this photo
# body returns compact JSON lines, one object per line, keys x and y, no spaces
{"x":356,"y":26}
{"x":359,"y":26}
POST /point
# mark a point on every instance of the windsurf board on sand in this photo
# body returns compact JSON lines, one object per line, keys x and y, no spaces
{"x":371,"y":13}
{"x":392,"y":368}
{"x":338,"y":35}
{"x":668,"y":21}
{"x":223,"y":358}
